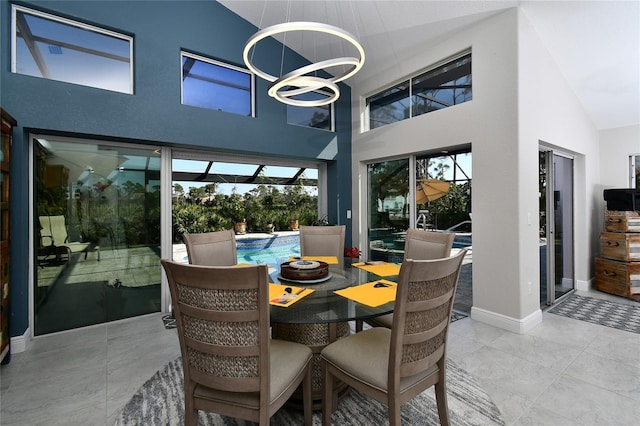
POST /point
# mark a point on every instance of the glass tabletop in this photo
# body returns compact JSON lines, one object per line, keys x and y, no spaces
{"x":323,"y":305}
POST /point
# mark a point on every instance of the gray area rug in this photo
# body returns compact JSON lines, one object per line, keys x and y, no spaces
{"x":160,"y":401}
{"x":600,"y":311}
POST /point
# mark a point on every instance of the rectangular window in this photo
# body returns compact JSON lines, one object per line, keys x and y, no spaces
{"x":442,"y":87}
{"x":210,"y":84}
{"x":55,"y":48}
{"x":319,"y":117}
{"x":389,"y":106}
{"x":634,"y":171}
{"x":437,"y":88}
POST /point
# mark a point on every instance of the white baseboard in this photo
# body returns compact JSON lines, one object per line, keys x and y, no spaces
{"x":584,"y":285}
{"x":19,"y":343}
{"x":514,"y":325}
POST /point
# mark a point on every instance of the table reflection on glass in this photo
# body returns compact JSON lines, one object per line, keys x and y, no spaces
{"x":323,"y":316}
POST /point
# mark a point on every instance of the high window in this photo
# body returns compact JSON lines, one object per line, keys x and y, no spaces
{"x":437,"y":88}
{"x":210,"y":84}
{"x":320,"y":117}
{"x":56,"y":48}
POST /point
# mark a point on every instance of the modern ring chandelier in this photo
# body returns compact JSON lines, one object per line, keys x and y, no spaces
{"x":285,"y":88}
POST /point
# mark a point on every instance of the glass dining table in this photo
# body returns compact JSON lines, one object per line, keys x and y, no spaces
{"x":323,"y":316}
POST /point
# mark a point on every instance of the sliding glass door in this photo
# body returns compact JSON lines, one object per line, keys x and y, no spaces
{"x":556,"y":226}
{"x":388,"y":200}
{"x":96,"y":233}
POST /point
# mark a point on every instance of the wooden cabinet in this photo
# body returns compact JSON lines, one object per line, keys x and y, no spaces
{"x":618,"y":267}
{"x":616,"y":277}
{"x":622,"y":221}
{"x":624,"y":246}
{"x":7,"y":125}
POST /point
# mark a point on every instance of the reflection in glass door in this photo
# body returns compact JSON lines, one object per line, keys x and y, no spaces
{"x":388,"y":209}
{"x":556,"y":226}
{"x":97,"y":233}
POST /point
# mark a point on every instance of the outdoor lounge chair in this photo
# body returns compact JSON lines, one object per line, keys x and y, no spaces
{"x":54,"y":238}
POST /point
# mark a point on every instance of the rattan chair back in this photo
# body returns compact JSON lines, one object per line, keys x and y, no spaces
{"x":222,"y":319}
{"x":426,"y":245}
{"x":393,"y":366}
{"x":323,"y":241}
{"x":212,"y":248}
{"x":422,"y":314}
{"x":419,"y":245}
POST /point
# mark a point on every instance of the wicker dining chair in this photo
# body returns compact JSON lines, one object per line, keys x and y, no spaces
{"x":231,"y":365}
{"x":427,"y":245}
{"x":394,"y":365}
{"x":323,"y":241}
{"x":212,"y":248}
{"x":418,"y":245}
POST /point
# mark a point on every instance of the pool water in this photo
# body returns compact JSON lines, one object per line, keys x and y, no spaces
{"x":273,"y":250}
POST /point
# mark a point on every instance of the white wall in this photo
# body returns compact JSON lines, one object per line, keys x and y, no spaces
{"x":550,"y":114}
{"x":616,"y":145}
{"x":519,"y":98}
{"x":489,"y":124}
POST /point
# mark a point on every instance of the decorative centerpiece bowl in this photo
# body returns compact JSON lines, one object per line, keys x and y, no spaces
{"x":303,"y":270}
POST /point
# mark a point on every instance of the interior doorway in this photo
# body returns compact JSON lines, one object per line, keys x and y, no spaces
{"x":556,"y":226}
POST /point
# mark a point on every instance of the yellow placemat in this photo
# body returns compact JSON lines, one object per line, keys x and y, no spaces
{"x":331,"y":260}
{"x":369,"y":295}
{"x":279,"y":296}
{"x":383,"y":269}
{"x":269,"y":267}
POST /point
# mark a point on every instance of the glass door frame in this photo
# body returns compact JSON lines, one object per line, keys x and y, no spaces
{"x":33,"y":214}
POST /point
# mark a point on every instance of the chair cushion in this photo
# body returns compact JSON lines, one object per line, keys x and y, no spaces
{"x":382,"y":321}
{"x":365,"y":356}
{"x":77,"y":246}
{"x":287,"y":359}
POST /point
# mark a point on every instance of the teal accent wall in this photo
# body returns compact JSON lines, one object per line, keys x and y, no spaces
{"x":153,"y":114}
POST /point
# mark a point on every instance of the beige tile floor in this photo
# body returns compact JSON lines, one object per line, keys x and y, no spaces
{"x":563,"y":372}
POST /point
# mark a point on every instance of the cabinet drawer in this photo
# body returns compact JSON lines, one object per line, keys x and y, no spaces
{"x":616,"y":277}
{"x":620,"y":246}
{"x":621,"y":221}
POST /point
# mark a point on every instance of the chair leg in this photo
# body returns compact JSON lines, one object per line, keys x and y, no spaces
{"x":359,"y":324}
{"x":441,"y":400}
{"x":190,"y":414}
{"x":327,"y":396}
{"x":394,"y":413}
{"x":306,"y":397}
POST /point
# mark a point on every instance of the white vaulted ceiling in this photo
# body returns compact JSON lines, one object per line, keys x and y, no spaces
{"x":596,"y":44}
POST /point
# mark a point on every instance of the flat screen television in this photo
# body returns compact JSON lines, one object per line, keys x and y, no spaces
{"x":622,"y":199}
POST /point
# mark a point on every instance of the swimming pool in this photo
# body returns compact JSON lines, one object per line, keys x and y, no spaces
{"x":276,"y":249}
{"x":272,"y":250}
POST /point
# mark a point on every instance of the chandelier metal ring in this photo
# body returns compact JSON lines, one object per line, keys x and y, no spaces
{"x":306,"y":84}
{"x":291,"y":78}
{"x":301,"y":26}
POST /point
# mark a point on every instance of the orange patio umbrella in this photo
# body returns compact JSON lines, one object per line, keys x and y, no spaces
{"x":431,"y":189}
